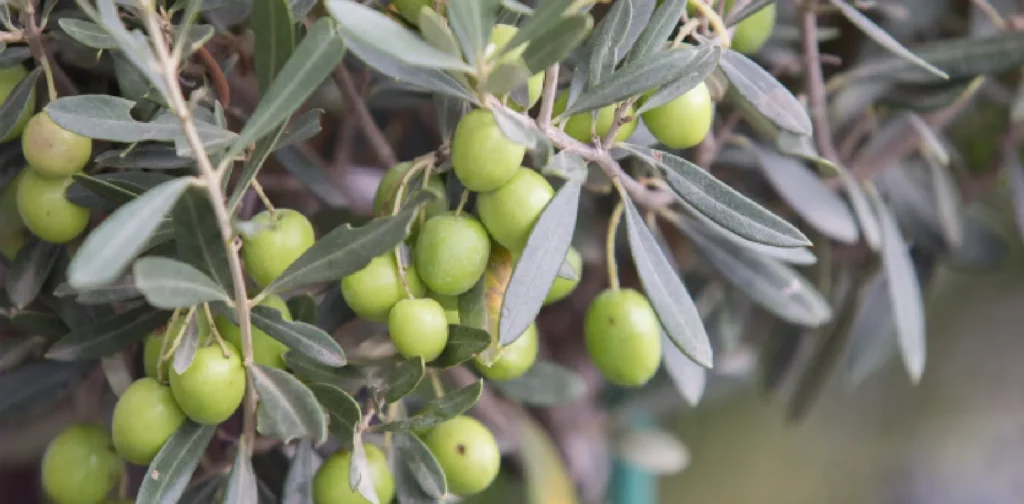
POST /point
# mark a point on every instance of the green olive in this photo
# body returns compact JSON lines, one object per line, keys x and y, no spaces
{"x":467,"y":452}
{"x":285,"y":236}
{"x":752,"y":33}
{"x":211,"y":389}
{"x":266,"y":351}
{"x":9,"y":78}
{"x":384,"y":198}
{"x":410,"y":9}
{"x":623,"y":336}
{"x":483,"y":158}
{"x":331,"y":483}
{"x":372,"y":291}
{"x":451,"y":253}
{"x":515,"y":360}
{"x":418,"y":327}
{"x":46,"y":211}
{"x":145,"y":417}
{"x":510,"y":212}
{"x":450,"y":305}
{"x":80,"y":467}
{"x":684,"y":121}
{"x":54,"y":151}
{"x":562,"y":287}
{"x":501,"y":35}
{"x":578,"y":125}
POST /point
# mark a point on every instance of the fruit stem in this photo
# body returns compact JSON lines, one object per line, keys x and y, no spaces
{"x":423,"y":163}
{"x":684,"y":31}
{"x":164,"y":345}
{"x":401,"y":272}
{"x":435,"y":381}
{"x":33,"y":38}
{"x":167,"y":353}
{"x":462,"y":202}
{"x":715,"y":20}
{"x":547,"y":100}
{"x":617,"y":122}
{"x":266,"y":201}
{"x":613,"y":227}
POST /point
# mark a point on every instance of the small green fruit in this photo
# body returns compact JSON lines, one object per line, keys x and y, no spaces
{"x":510,"y":212}
{"x":410,"y":9}
{"x":516,"y":359}
{"x":46,"y":211}
{"x":451,"y":253}
{"x":450,"y":305}
{"x":753,"y":32}
{"x":372,"y":291}
{"x":331,"y":483}
{"x":79,"y":466}
{"x":9,"y":78}
{"x":211,"y":389}
{"x":154,"y":342}
{"x":266,"y":351}
{"x":54,"y":151}
{"x":467,"y":452}
{"x":267,"y":253}
{"x":623,"y":337}
{"x":562,"y":287}
{"x":578,"y":125}
{"x":683,"y":122}
{"x":145,"y":417}
{"x":483,"y":158}
{"x":418,"y":327}
{"x":501,"y":35}
{"x":384,"y":199}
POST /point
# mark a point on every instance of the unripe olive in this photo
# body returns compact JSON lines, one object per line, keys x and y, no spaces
{"x":510,"y":212}
{"x":751,"y":34}
{"x":578,"y":125}
{"x":516,"y":359}
{"x":372,"y":291}
{"x":54,"y":151}
{"x":211,"y":389}
{"x":331,"y":483}
{"x":683,"y":122}
{"x":46,"y":211}
{"x":9,"y":78}
{"x":384,"y":198}
{"x":266,"y":350}
{"x":154,"y":343}
{"x":286,"y":236}
{"x":418,"y":327}
{"x":562,"y":287}
{"x":450,"y":305}
{"x":451,"y":253}
{"x":145,"y":417}
{"x":483,"y":158}
{"x":80,"y":467}
{"x":467,"y":452}
{"x":410,"y":9}
{"x":501,"y":35}
{"x":623,"y":336}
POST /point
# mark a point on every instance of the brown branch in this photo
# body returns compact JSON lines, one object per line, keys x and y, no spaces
{"x":815,"y":83}
{"x":43,"y":55}
{"x":380,"y":145}
{"x":216,"y":75}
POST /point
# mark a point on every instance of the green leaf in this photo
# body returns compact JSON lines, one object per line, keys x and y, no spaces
{"x":869,"y":227}
{"x":18,"y":100}
{"x":720,"y":203}
{"x":545,"y":20}
{"x":172,"y":469}
{"x":313,"y":60}
{"x":539,"y":263}
{"x":904,"y":291}
{"x":554,"y":45}
{"x":299,"y":336}
{"x":700,"y":67}
{"x":404,"y":379}
{"x":948,"y":202}
{"x":882,"y":37}
{"x":241,"y":486}
{"x":197,"y":237}
{"x":205,"y":491}
{"x":87,"y":33}
{"x":110,"y":247}
{"x":544,"y":384}
{"x":346,"y":250}
{"x":604,"y":44}
{"x":148,"y":156}
{"x":434,"y":29}
{"x":666,"y":291}
{"x":765,"y":93}
{"x":298,"y":484}
{"x":300,"y":129}
{"x":311,"y":371}
{"x":134,"y":45}
{"x":362,"y":24}
{"x":464,"y":343}
{"x":15,"y":350}
{"x":104,"y":117}
{"x":472,"y":21}
{"x":109,"y":191}
{"x":343,"y":410}
{"x":439,"y":410}
{"x":303,"y":309}
{"x":31,"y":388}
{"x":959,"y":58}
{"x":656,"y":33}
{"x":360,"y":476}
{"x":752,"y":7}
{"x":429,"y":79}
{"x":107,"y":336}
{"x":273,"y":38}
{"x":421,"y":463}
{"x":264,"y":147}
{"x":168,"y":283}
{"x":688,"y":377}
{"x":288,"y":409}
{"x":186,"y":350}
{"x":122,"y":289}
{"x":29,"y":271}
{"x":37,"y":322}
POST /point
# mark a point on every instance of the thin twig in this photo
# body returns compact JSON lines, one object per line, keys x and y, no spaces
{"x":815,"y":83}
{"x":43,"y":57}
{"x":547,"y":100}
{"x":216,"y":75}
{"x":618,"y":120}
{"x":373,"y":133}
{"x":993,"y":15}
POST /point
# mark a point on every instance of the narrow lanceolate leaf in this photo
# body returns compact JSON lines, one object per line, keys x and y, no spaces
{"x":360,"y":477}
{"x":553,"y":46}
{"x":608,"y":36}
{"x":544,"y":20}
{"x":959,"y":58}
{"x":87,"y":33}
{"x":168,"y":283}
{"x":765,"y":93}
{"x":472,"y":21}
{"x":298,"y":484}
{"x":404,"y":379}
{"x":721,"y":203}
{"x":172,"y":469}
{"x":343,"y":410}
{"x":288,"y":409}
{"x":122,"y":289}
{"x":108,"y":335}
{"x":464,"y":343}
{"x":434,"y":29}
{"x":303,"y":308}
{"x":904,"y":291}
{"x":539,"y":263}
{"x":197,"y":238}
{"x":666,"y":291}
{"x":110,"y":247}
{"x":656,"y":33}
{"x":29,"y":271}
{"x":869,"y":226}
{"x":346,"y":250}
{"x":947,"y":202}
{"x":360,"y":23}
{"x":544,"y":384}
{"x":300,"y":128}
{"x":241,"y":487}
{"x":421,"y":463}
{"x":273,"y":38}
{"x":252,"y":166}
{"x":313,"y":372}
{"x":14,"y":351}
{"x":438,"y":410}
{"x":104,"y":117}
{"x":313,"y":60}
{"x":689,"y":378}
{"x":305,"y":338}
{"x":32,"y":387}
{"x":816,"y":203}
{"x":769,"y":283}
{"x":698,"y":69}
{"x":429,"y":79}
{"x":882,"y":37}
{"x":149,"y":156}
{"x":134,"y":45}
{"x":20,"y":99}
{"x":187,"y":346}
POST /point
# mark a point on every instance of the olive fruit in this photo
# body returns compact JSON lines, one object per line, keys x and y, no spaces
{"x":372,"y":291}
{"x":562,"y":287}
{"x":410,"y":9}
{"x":79,"y":466}
{"x":387,"y":190}
{"x":510,"y":212}
{"x":467,"y":452}
{"x":578,"y":125}
{"x":284,"y":236}
{"x":266,"y":351}
{"x":483,"y":158}
{"x":47,"y":213}
{"x":418,"y":327}
{"x":154,"y":343}
{"x":684,"y":121}
{"x":211,"y":389}
{"x":9,"y":78}
{"x":145,"y":417}
{"x":450,"y":305}
{"x":451,"y":253}
{"x":331,"y":483}
{"x":623,"y":337}
{"x":501,"y":35}
{"x":515,"y":360}
{"x":54,"y":151}
{"x":751,"y":34}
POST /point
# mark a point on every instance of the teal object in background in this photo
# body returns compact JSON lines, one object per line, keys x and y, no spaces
{"x":629,"y":483}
